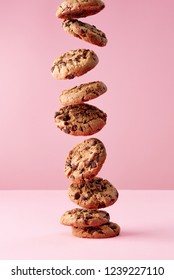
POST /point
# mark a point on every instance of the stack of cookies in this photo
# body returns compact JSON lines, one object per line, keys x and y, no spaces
{"x":78,"y":118}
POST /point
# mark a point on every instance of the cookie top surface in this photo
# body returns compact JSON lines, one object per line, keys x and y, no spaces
{"x":74,"y":63}
{"x":108,"y":230}
{"x":94,"y":194}
{"x":82,"y":93}
{"x":84,"y":31}
{"x":84,"y":218}
{"x":80,"y":120}
{"x":79,"y":8}
{"x":85,"y":160}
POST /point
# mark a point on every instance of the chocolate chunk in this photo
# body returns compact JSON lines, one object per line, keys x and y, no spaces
{"x":77,"y":196}
{"x":70,"y":76}
{"x":101,"y":205}
{"x":93,"y":164}
{"x":66,"y":130}
{"x":57,"y":114}
{"x":74,"y":167}
{"x":66,"y":118}
{"x":81,"y":171}
{"x":74,"y":127}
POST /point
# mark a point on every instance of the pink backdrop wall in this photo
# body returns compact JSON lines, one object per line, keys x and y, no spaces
{"x":138,"y":67}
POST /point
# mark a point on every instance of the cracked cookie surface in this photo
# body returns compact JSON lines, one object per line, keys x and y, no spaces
{"x":84,"y":218}
{"x":104,"y":231}
{"x":80,"y":120}
{"x":82,"y":93}
{"x":85,"y":31}
{"x":94,"y":194}
{"x":74,"y":63}
{"x":85,"y":160}
{"x":79,"y":8}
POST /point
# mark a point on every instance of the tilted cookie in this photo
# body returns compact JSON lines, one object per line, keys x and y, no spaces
{"x":77,"y":9}
{"x":84,"y":218}
{"x":80,"y":120}
{"x":82,"y":93}
{"x":104,"y":231}
{"x":85,"y":160}
{"x":94,"y":194}
{"x":85,"y":31}
{"x":74,"y":63}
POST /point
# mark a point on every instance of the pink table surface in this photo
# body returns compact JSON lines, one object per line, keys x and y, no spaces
{"x":30,"y":227}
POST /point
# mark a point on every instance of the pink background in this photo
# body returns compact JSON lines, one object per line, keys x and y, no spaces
{"x":137,"y":65}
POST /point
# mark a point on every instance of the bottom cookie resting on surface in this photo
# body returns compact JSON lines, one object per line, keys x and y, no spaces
{"x":104,"y":231}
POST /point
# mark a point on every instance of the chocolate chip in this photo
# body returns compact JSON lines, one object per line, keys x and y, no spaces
{"x":92,"y":230}
{"x":77,"y":196}
{"x":113,"y":227}
{"x":84,"y":197}
{"x":97,"y":157}
{"x":101,"y":205}
{"x":87,"y":148}
{"x":98,"y":182}
{"x":52,"y":68}
{"x":74,"y":127}
{"x":69,"y":162}
{"x":70,"y":76}
{"x":57,"y":114}
{"x":66,"y":118}
{"x":93,"y":164}
{"x":88,"y":163}
{"x":81,"y":171}
{"x":74,"y":167}
{"x":89,"y":217}
{"x":66,"y":130}
{"x":94,"y":142}
{"x":62,"y":63}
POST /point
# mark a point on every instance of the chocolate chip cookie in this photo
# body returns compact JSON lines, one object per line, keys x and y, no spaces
{"x":77,"y":9}
{"x":85,"y":32}
{"x":74,"y":63}
{"x":80,"y":120}
{"x":84,"y":218}
{"x":82,"y":93}
{"x":93,"y":194}
{"x":83,"y":163}
{"x":104,"y":231}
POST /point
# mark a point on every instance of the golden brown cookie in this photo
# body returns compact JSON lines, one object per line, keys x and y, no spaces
{"x":73,"y":63}
{"x":85,"y":160}
{"x":80,"y":120}
{"x":84,"y":218}
{"x":104,"y":231}
{"x":77,"y":9}
{"x":82,"y":93}
{"x":85,"y":32}
{"x":94,"y":194}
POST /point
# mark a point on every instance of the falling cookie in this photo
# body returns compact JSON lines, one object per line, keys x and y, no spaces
{"x":85,"y":32}
{"x":80,"y":120}
{"x":85,"y":160}
{"x":84,"y":218}
{"x":74,"y":63}
{"x":94,"y":194}
{"x":82,"y":93}
{"x":77,"y":9}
